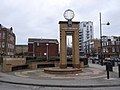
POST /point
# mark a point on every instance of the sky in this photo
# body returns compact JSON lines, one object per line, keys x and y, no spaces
{"x":40,"y":18}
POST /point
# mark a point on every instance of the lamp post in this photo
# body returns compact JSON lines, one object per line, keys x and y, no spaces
{"x":47,"y":51}
{"x":101,"y":48}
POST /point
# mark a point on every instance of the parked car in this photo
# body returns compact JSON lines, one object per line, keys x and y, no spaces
{"x":91,"y":58}
{"x":107,"y":59}
{"x":115,"y":59}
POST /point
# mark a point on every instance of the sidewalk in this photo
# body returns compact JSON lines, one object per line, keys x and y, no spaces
{"x":115,"y":68}
{"x":94,"y":82}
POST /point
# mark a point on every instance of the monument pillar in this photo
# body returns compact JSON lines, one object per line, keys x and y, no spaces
{"x":74,"y":32}
{"x":69,"y":28}
{"x":63,"y":49}
{"x":75,"y":49}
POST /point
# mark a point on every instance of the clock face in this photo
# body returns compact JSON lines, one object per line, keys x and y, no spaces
{"x":69,"y":14}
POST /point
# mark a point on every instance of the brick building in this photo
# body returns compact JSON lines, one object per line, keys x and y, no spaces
{"x":110,"y":46}
{"x":7,"y":41}
{"x":43,"y":47}
{"x":94,"y":46}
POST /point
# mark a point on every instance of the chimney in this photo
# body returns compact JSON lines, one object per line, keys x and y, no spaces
{"x":0,"y":26}
{"x":11,"y":29}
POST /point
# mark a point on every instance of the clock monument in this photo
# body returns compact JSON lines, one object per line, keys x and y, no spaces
{"x":71,"y":28}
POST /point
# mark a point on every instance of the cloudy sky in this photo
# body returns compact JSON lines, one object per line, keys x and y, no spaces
{"x":39,"y":18}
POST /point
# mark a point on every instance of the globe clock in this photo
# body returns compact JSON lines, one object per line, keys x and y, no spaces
{"x":68,"y":14}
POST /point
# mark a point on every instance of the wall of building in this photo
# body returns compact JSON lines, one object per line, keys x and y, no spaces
{"x":85,"y":34}
{"x":94,"y":47}
{"x":111,"y":46}
{"x":41,"y":49}
{"x":21,"y":49}
{"x":7,"y":41}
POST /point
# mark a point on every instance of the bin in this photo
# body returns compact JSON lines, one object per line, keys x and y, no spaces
{"x":93,"y":61}
{"x":109,"y":66}
{"x":113,"y":63}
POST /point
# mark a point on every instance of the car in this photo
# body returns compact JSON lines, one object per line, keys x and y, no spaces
{"x":91,"y":58}
{"x":107,"y":59}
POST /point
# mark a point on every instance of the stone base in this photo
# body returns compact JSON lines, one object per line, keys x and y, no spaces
{"x":82,"y":65}
{"x":63,"y":66}
{"x":76,"y":65}
{"x":57,"y":70}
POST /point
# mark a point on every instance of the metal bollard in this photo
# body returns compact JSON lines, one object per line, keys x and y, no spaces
{"x":119,"y":70}
{"x":107,"y":74}
{"x":107,"y":69}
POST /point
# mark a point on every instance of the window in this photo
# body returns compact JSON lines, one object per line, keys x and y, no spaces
{"x":3,"y":35}
{"x":91,"y":27}
{"x":11,"y":46}
{"x":3,"y":44}
{"x":113,"y":43}
{"x":11,"y":38}
{"x":10,"y":53}
{"x":113,"y":49}
{"x":87,"y":28}
{"x":117,"y":49}
{"x":117,"y":42}
{"x":106,"y":49}
{"x":109,"y":39}
{"x":103,"y":43}
{"x":0,"y":44}
{"x":91,"y":30}
{"x":0,"y":35}
{"x":38,"y":44}
{"x":109,"y":43}
{"x":84,"y":25}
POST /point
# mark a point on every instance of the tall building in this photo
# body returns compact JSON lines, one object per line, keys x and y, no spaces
{"x":7,"y":41}
{"x":43,"y":47}
{"x":85,"y":36}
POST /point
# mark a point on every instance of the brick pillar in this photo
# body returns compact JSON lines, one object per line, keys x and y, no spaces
{"x":75,"y":49}
{"x":6,"y":68}
{"x":63,"y":49}
{"x":32,"y":65}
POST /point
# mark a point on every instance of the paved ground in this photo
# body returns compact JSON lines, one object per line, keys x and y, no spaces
{"x":92,"y":77}
{"x":86,"y":73}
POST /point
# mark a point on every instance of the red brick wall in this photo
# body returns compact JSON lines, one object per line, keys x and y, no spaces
{"x":30,"y":49}
{"x":53,"y":50}
{"x":41,"y":49}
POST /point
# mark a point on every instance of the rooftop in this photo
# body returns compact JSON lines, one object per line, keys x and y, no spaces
{"x":31,"y":40}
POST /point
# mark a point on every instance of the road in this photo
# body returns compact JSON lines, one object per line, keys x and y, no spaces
{"x":6,"y":86}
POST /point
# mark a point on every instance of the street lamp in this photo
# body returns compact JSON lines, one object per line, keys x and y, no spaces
{"x":47,"y":51}
{"x":101,"y":38}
